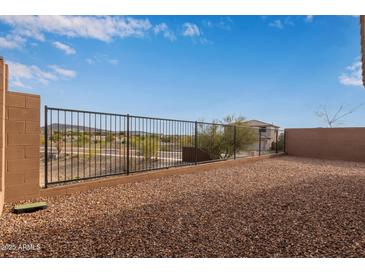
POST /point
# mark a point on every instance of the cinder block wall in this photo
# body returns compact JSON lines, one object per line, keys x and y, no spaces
{"x":22,"y":146}
{"x":326,"y":143}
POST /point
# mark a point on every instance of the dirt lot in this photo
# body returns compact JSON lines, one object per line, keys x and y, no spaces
{"x":281,"y":207}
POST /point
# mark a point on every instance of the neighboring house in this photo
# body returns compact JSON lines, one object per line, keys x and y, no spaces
{"x":268,"y":134}
{"x":362,"y":35}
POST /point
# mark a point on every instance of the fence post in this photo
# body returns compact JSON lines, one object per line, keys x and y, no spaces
{"x":259,"y":141}
{"x":45,"y":146}
{"x":127,"y":144}
{"x":234,"y":142}
{"x":276,"y":141}
{"x":284,"y":141}
{"x":196,"y":142}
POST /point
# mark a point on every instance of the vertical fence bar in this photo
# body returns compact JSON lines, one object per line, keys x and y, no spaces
{"x":90,"y":140}
{"x":196,"y":142}
{"x":234,"y":142}
{"x":51,"y":131}
{"x":72,"y":141}
{"x":83,"y":141}
{"x":259,"y":141}
{"x":276,"y":140}
{"x":58,"y":136}
{"x":127,"y":144}
{"x":45,"y":146}
{"x":284,"y":141}
{"x":65,"y":136}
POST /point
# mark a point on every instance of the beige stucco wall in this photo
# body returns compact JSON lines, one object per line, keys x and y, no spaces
{"x":326,"y":143}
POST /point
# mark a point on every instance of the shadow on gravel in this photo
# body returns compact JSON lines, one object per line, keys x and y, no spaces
{"x":321,"y":217}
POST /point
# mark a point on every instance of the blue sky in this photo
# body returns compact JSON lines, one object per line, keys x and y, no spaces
{"x":278,"y":69}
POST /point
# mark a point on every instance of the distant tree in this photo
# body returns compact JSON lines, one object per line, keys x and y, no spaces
{"x":335,"y":119}
{"x":57,"y":138}
{"x":109,"y":137}
{"x":148,"y":145}
{"x":82,"y":138}
{"x":218,"y":140}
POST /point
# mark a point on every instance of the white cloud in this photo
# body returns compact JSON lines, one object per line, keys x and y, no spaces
{"x":103,"y":28}
{"x":22,"y":75}
{"x":90,"y":61}
{"x":19,"y":73}
{"x":166,"y":32}
{"x":63,"y":72}
{"x":190,"y":30}
{"x":224,"y":23}
{"x":101,"y":58}
{"x":11,"y":42}
{"x":352,"y":75}
{"x":114,"y":61}
{"x":276,"y":24}
{"x":309,"y":18}
{"x":65,"y":48}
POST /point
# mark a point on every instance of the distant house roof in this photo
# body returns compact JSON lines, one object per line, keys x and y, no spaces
{"x":257,"y":123}
{"x":362,"y":35}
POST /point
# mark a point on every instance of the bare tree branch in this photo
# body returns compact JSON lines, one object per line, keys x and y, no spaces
{"x":332,"y":120}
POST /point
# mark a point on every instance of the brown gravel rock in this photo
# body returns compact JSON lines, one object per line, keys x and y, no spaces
{"x":280,"y":207}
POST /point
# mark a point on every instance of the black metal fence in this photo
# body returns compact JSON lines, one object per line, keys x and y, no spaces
{"x":81,"y":145}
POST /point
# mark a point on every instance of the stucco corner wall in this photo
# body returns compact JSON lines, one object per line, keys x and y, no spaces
{"x":346,"y":144}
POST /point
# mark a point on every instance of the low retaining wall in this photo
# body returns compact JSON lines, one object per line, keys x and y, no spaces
{"x":188,"y":155}
{"x":326,"y":143}
{"x":123,"y":179}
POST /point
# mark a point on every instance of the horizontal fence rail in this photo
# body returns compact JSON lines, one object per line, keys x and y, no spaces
{"x":81,"y":145}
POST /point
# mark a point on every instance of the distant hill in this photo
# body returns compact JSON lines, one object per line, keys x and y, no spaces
{"x":74,"y":128}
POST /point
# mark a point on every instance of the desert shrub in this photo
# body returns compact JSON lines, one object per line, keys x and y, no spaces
{"x":186,"y":140}
{"x":148,"y":145}
{"x":109,"y":137}
{"x":81,"y":139}
{"x":57,"y":139}
{"x":218,"y":140}
{"x":42,"y":139}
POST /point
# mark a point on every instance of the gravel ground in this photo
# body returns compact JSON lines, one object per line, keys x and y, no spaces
{"x":280,"y":207}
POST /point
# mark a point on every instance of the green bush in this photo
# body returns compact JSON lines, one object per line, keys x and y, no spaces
{"x":218,"y":140}
{"x":148,"y":145}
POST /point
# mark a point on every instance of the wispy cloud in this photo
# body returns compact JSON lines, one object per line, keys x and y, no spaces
{"x":22,"y":75}
{"x":309,"y":18}
{"x":352,"y":75}
{"x":190,"y":30}
{"x":11,"y":42}
{"x":19,"y":73}
{"x":63,"y":72}
{"x":101,"y":58}
{"x":65,"y":48}
{"x":113,"y":61}
{"x":103,"y":28}
{"x":276,"y":24}
{"x":165,"y":31}
{"x":223,"y":23}
{"x":287,"y":21}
